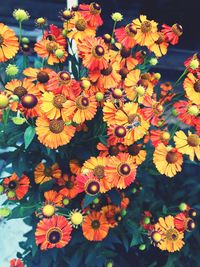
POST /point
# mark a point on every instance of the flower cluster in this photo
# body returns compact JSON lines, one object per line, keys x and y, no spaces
{"x":90,"y":118}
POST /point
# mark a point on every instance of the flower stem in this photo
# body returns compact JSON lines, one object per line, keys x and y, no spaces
{"x":20,"y":31}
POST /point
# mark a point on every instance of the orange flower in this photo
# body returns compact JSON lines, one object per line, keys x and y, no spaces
{"x":54,"y":133}
{"x":97,"y":166}
{"x":109,"y":112}
{"x":9,"y":44}
{"x":125,"y":35}
{"x":88,"y":183}
{"x":70,"y":189}
{"x":53,"y":197}
{"x":158,"y":136}
{"x":173,"y":33}
{"x":120,"y":170}
{"x":16,"y":186}
{"x":44,"y":174}
{"x":160,"y":46}
{"x":110,"y":212}
{"x":75,"y":166}
{"x":138,"y":155}
{"x":95,"y":226}
{"x":78,"y":28}
{"x":192,"y":88}
{"x":16,"y":263}
{"x":146,"y":31}
{"x":53,"y":233}
{"x":81,"y":108}
{"x":91,"y":13}
{"x":116,"y":134}
{"x":94,"y":52}
{"x":55,"y":34}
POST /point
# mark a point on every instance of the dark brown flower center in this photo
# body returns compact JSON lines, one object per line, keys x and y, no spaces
{"x":42,"y":77}
{"x":92,"y":187}
{"x":146,"y":26}
{"x":161,"y":38}
{"x":171,"y":157}
{"x":120,"y":131}
{"x":12,"y":185}
{"x":54,"y":235}
{"x":50,"y":37}
{"x":124,"y":169}
{"x":131,"y":30}
{"x":99,"y":171}
{"x":82,"y":102}
{"x":172,"y":235}
{"x":107,"y":71}
{"x":51,"y":46}
{"x":125,"y":52}
{"x":95,"y":8}
{"x":69,"y":184}
{"x":29,"y":101}
{"x":64,"y":77}
{"x":59,"y":100}
{"x":197,"y":86}
{"x":20,"y":91}
{"x":81,"y":25}
{"x":134,"y":150}
{"x":177,"y":29}
{"x":113,"y":150}
{"x":47,"y":171}
{"x":95,"y":224}
{"x":193,"y":140}
{"x":98,"y":51}
{"x":1,"y":40}
{"x":56,"y":126}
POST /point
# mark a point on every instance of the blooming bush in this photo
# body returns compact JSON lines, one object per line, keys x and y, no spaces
{"x":93,"y":145}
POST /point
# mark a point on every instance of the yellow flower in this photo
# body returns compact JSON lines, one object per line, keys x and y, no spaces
{"x":189,"y":145}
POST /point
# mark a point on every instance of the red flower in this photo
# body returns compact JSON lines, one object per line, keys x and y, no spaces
{"x":55,"y":34}
{"x":91,"y":13}
{"x":16,"y":263}
{"x":172,"y":33}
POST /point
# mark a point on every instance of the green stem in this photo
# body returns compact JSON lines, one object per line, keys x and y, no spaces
{"x":20,"y":31}
{"x":182,"y":75}
{"x":113,"y":31}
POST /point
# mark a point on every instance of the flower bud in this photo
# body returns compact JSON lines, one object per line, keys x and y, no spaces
{"x":194,"y":64}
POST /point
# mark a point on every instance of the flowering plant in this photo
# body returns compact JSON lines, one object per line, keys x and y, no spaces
{"x":90,"y":137}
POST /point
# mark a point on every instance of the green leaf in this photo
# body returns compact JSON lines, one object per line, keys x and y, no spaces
{"x":28,"y":136}
{"x":88,"y":200}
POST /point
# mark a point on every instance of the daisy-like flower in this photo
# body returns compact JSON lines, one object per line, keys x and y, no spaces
{"x":94,"y":52}
{"x":193,"y":64}
{"x":110,"y":212}
{"x":75,"y":218}
{"x":97,"y":166}
{"x":9,"y":44}
{"x":53,"y":197}
{"x":160,"y":46}
{"x":46,"y":49}
{"x":40,"y":76}
{"x":183,"y":223}
{"x":189,"y":145}
{"x":120,"y":170}
{"x":109,"y":112}
{"x":95,"y":226}
{"x":91,"y":13}
{"x":132,"y":119}
{"x":53,"y":233}
{"x":55,"y":34}
{"x":167,"y":160}
{"x":16,"y":263}
{"x":137,"y":86}
{"x":107,"y":77}
{"x":158,"y":136}
{"x":44,"y":173}
{"x":116,"y":134}
{"x":191,"y":85}
{"x":78,"y":27}
{"x":172,"y":33}
{"x":137,"y":154}
{"x":16,"y":187}
{"x":54,"y":133}
{"x":187,"y":112}
{"x":146,"y":31}
{"x":88,"y":183}
{"x":126,"y":35}
{"x":172,"y":239}
{"x":81,"y":108}
{"x":69,"y":186}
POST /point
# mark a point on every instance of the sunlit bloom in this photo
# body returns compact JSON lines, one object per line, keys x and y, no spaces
{"x":69,"y":186}
{"x":54,"y":133}
{"x":46,"y":49}
{"x":125,"y":35}
{"x":188,"y":144}
{"x":17,"y":185}
{"x":107,"y":77}
{"x":78,"y":28}
{"x":192,"y":88}
{"x":167,"y":160}
{"x":137,"y":87}
{"x":55,"y":34}
{"x":44,"y":173}
{"x":172,"y":33}
{"x":62,"y":83}
{"x":190,"y":61}
{"x":160,"y":46}
{"x":97,"y":165}
{"x":138,"y":155}
{"x":146,"y":31}
{"x":94,"y":52}
{"x":109,"y":112}
{"x":88,"y":183}
{"x":95,"y":226}
{"x":53,"y":197}
{"x":40,"y":76}
{"x":120,"y":170}
{"x":9,"y":44}
{"x":152,"y":110}
{"x":132,"y":119}
{"x":53,"y":106}
{"x":81,"y":108}
{"x":53,"y":233}
{"x":110,"y":212}
{"x":91,"y":13}
{"x":116,"y":134}
{"x":172,"y":239}
{"x":187,"y":112}
{"x":16,"y":263}
{"x":181,"y":221}
{"x":158,"y":136}
{"x":103,"y":150}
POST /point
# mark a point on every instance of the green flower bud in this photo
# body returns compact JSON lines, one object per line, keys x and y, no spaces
{"x":153,"y":61}
{"x":142,"y":247}
{"x":182,"y":206}
{"x":12,"y":70}
{"x":4,"y":212}
{"x":21,"y":14}
{"x":99,"y":96}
